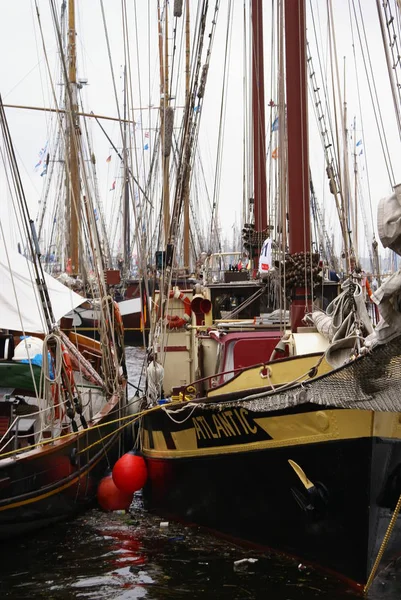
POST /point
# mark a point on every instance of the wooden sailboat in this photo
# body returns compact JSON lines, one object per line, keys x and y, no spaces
{"x":62,"y":395}
{"x":297,"y":454}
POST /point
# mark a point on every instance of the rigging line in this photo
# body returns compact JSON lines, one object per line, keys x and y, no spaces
{"x":121,"y":158}
{"x":223,"y":108}
{"x":391,"y":70}
{"x":14,"y":191}
{"x":125,"y":35}
{"x":334,"y":74}
{"x":372,"y":221}
{"x":376,"y":107}
{"x":97,"y":197}
{"x":139,"y":87}
{"x":173,"y":58}
{"x":28,"y":223}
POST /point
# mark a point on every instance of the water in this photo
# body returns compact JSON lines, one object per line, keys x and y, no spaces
{"x":127,"y":556}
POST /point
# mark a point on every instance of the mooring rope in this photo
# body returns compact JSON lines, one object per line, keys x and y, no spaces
{"x":383,"y":545}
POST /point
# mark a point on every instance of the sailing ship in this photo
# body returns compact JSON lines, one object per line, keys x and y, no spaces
{"x":62,"y":394}
{"x":275,"y":435}
{"x":62,"y":258}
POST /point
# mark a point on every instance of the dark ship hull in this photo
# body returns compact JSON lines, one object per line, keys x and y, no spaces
{"x":231,"y":474}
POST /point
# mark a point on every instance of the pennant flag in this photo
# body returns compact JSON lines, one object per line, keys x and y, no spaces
{"x":361,"y":152}
{"x":275,"y":124}
{"x":108,"y":159}
{"x":96,"y":215}
{"x":196,"y":108}
{"x":146,"y":134}
{"x":41,"y":155}
{"x":44,"y":171}
{"x":359,"y":143}
{"x":113,"y":186}
{"x":275,"y":153}
{"x":146,"y":147}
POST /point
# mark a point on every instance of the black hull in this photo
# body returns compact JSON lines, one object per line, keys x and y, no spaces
{"x":255,"y":496}
{"x":52,"y":484}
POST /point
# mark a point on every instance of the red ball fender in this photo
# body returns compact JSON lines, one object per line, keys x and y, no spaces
{"x":130,"y":473}
{"x":110,"y":497}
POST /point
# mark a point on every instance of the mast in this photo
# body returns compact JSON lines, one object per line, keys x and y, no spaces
{"x":259,"y":127}
{"x":166,"y":150}
{"x":355,"y":228}
{"x":73,"y":200}
{"x":298,"y":159}
{"x":186,"y":190}
{"x":126,"y":219}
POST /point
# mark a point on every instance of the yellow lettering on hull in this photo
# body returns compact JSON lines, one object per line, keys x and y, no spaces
{"x":229,"y":423}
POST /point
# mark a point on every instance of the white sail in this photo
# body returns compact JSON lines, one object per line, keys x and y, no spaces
{"x":19,"y":297}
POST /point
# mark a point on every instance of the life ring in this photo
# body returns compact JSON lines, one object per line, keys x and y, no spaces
{"x":174,"y":321}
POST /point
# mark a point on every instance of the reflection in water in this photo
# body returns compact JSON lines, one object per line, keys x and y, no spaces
{"x":119,"y":556}
{"x":127,"y":556}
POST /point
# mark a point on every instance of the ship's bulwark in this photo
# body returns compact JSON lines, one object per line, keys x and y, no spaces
{"x":243,"y":485}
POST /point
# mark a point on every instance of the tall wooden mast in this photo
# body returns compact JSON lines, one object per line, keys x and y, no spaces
{"x":166,"y":153}
{"x":298,"y":158}
{"x":297,"y":126}
{"x":73,"y":201}
{"x":126,"y":200}
{"x":258,"y":111}
{"x":186,"y":190}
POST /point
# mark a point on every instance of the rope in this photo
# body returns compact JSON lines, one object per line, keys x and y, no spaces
{"x":167,"y":411}
{"x":383,"y":545}
{"x":155,"y":373}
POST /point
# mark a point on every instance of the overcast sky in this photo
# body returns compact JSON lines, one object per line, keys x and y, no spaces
{"x":24,"y":81}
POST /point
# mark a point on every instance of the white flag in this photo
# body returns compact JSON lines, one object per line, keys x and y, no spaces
{"x":265,"y":259}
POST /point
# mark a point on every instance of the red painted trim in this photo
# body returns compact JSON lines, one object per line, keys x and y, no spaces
{"x":175,"y":349}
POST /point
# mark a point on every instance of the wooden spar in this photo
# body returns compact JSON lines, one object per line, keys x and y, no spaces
{"x":258,"y":111}
{"x":298,"y":158}
{"x":297,"y":127}
{"x":126,"y":219}
{"x":186,"y":189}
{"x":166,"y":159}
{"x":84,"y":114}
{"x":355,"y":236}
{"x":72,"y":102}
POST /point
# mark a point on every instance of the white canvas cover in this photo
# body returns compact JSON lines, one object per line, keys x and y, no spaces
{"x":20,"y":306}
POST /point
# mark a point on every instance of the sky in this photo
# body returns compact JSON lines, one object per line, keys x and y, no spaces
{"x":25,"y":81}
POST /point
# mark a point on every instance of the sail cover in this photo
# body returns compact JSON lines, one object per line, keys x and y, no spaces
{"x":20,"y":306}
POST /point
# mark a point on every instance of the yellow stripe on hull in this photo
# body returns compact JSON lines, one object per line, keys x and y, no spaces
{"x":278,"y":373}
{"x":285,"y":430}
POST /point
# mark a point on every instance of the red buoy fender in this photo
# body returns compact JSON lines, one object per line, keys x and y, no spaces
{"x":130,"y":473}
{"x":110,"y":497}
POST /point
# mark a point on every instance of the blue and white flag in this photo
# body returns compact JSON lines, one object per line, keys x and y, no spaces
{"x":41,"y":157}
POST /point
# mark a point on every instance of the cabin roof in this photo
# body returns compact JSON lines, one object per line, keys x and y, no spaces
{"x":224,"y":338}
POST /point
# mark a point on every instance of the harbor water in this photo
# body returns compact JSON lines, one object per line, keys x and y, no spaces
{"x":132,"y":555}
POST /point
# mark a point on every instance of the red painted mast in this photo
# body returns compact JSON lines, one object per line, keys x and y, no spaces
{"x":259,"y":127}
{"x":298,"y":158}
